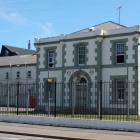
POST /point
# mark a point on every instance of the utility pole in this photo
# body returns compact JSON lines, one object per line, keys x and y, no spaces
{"x":119,"y":8}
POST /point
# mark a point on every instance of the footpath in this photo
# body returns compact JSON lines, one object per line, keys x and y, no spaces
{"x":65,"y":132}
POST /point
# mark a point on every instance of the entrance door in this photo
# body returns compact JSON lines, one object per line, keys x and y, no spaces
{"x":81,"y":93}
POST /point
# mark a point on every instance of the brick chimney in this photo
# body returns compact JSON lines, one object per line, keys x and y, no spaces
{"x":29,"y":45}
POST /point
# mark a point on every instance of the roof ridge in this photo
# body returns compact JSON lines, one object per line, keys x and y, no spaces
{"x":109,"y":21}
{"x":17,"y":47}
{"x":17,"y":50}
{"x":98,"y":25}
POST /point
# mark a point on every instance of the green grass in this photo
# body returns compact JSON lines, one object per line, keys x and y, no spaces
{"x":104,"y":117}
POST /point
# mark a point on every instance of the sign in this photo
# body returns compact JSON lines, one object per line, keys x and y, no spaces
{"x":50,"y":81}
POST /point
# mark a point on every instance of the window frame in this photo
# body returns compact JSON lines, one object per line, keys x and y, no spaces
{"x":78,"y":55}
{"x":18,"y":75}
{"x":113,"y":94}
{"x":123,"y":88}
{"x":29,"y":75}
{"x":53,"y":58}
{"x":121,"y":53}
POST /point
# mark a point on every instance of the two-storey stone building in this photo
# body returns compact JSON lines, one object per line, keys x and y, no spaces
{"x":107,"y":52}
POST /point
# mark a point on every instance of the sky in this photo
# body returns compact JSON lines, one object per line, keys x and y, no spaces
{"x":23,"y":20}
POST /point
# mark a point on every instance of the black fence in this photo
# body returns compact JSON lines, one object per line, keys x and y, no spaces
{"x":113,"y":100}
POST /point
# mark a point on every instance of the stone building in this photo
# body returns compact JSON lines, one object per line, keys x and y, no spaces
{"x":107,"y":52}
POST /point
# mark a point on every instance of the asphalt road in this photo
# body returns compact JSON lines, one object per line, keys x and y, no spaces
{"x":50,"y":132}
{"x":19,"y":137}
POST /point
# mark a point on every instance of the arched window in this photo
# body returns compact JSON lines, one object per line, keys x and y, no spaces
{"x":83,"y":80}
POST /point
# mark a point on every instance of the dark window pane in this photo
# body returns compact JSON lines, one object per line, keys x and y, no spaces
{"x":29,"y":74}
{"x":18,"y":74}
{"x":120,"y":94}
{"x":51,"y":58}
{"x":120,"y":90}
{"x":51,"y":65}
{"x":120,"y":59}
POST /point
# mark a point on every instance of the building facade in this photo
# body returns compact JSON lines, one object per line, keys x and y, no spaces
{"x":105,"y":52}
{"x":17,"y":77}
{"x":21,"y":68}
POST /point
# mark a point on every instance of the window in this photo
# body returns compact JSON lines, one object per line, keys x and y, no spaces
{"x":18,"y":74}
{"x":120,"y":53}
{"x":51,"y":59}
{"x":120,"y":89}
{"x":29,"y":74}
{"x":7,"y":75}
{"x":81,"y":55}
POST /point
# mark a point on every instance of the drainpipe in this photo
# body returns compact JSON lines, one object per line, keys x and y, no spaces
{"x":99,"y":73}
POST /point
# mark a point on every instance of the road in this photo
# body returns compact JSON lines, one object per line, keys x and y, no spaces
{"x":60,"y":132}
{"x":19,"y":137}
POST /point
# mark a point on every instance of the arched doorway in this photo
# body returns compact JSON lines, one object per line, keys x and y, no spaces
{"x":81,"y":93}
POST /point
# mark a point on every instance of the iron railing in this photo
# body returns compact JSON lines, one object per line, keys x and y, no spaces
{"x":97,"y":100}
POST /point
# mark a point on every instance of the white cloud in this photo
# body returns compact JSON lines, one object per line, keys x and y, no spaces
{"x":12,"y":17}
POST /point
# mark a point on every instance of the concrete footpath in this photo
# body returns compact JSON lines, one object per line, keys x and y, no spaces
{"x":66,"y":133}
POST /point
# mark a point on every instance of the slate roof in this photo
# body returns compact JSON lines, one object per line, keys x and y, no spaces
{"x":19,"y":51}
{"x":18,"y":60}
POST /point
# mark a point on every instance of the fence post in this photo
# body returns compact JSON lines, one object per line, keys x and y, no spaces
{"x":17,"y":98}
{"x":73,"y":98}
{"x":8,"y":97}
{"x":100,"y":99}
{"x":27,"y":101}
{"x":55,"y":100}
{"x":127,"y":86}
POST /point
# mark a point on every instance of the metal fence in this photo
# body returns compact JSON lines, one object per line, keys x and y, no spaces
{"x":112,"y":100}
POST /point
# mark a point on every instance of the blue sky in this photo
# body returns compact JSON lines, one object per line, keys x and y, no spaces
{"x":23,"y":20}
